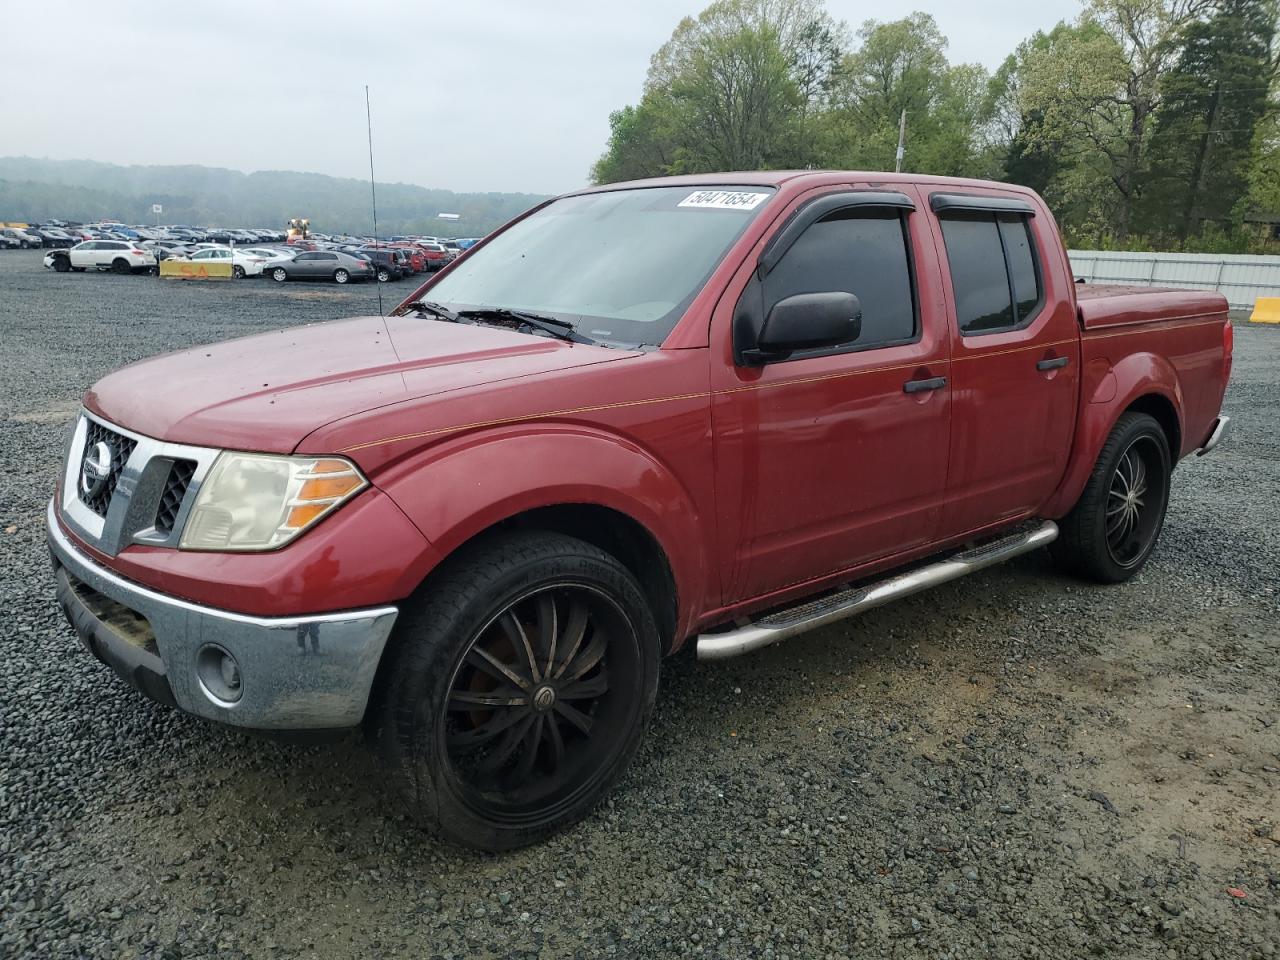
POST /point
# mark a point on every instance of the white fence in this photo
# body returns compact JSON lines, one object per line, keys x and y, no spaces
{"x":1238,"y":277}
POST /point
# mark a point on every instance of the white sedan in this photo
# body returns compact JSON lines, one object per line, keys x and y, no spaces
{"x":118,"y":256}
{"x":270,"y":254}
{"x":243,"y":263}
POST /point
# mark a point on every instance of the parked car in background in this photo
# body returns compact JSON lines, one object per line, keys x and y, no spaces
{"x":270,"y":254}
{"x":435,"y":254}
{"x":8,"y":243}
{"x":242,"y":263}
{"x":389,"y":264}
{"x":164,"y":249}
{"x":322,"y":265}
{"x":52,"y":237}
{"x":24,"y":237}
{"x":118,"y":256}
{"x":415,"y":260}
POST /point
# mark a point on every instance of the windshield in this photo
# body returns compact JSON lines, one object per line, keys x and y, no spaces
{"x":620,"y":266}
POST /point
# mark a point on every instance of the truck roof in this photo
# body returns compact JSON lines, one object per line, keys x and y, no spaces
{"x":804,"y":179}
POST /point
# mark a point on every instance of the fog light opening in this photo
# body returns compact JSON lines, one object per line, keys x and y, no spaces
{"x":219,"y":674}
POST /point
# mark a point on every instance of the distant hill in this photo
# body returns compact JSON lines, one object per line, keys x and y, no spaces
{"x":32,"y":189}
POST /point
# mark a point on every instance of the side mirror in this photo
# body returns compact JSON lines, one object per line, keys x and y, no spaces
{"x":807,"y":321}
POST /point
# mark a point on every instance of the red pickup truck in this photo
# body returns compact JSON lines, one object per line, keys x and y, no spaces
{"x":724,"y":409}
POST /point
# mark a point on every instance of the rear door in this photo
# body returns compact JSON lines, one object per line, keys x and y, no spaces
{"x":1015,"y":348}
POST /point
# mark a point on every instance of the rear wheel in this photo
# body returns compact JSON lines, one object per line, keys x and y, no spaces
{"x":279,"y":275}
{"x":237,"y":272}
{"x":341,"y":276}
{"x":121,"y":265}
{"x":1111,"y":531}
{"x":383,"y":274}
{"x":518,"y":688}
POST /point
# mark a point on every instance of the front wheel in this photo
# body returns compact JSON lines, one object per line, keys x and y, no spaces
{"x":279,"y":275}
{"x":61,"y":264}
{"x":1110,"y":533}
{"x":518,"y":687}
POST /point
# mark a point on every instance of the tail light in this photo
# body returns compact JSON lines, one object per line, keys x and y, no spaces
{"x":140,"y":253}
{"x":1228,"y":346}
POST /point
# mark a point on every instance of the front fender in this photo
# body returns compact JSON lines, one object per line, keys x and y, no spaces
{"x":457,"y":489}
{"x":1104,"y":399}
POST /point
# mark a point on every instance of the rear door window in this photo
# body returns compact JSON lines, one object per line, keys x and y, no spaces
{"x":995,"y":272}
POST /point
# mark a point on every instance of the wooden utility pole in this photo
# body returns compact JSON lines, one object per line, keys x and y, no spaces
{"x":902,"y":139}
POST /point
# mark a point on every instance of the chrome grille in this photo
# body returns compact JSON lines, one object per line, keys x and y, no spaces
{"x":175,"y":490}
{"x":138,"y":492}
{"x":121,"y":448}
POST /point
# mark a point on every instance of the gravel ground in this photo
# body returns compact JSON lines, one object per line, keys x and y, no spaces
{"x":1012,"y":766}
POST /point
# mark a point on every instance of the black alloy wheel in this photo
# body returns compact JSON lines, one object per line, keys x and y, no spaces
{"x":1113,"y":528}
{"x":529,"y":712}
{"x":518,"y":689}
{"x":1133,"y":508}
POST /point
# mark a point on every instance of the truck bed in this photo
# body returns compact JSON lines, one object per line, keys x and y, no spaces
{"x":1115,"y":305}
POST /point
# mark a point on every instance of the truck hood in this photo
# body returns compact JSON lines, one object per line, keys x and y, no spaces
{"x":267,"y":392}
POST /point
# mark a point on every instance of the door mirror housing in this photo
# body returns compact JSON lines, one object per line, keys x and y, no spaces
{"x":807,"y":321}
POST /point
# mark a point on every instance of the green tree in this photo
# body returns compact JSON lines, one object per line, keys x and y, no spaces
{"x":1213,"y":101}
{"x":736,"y":87}
{"x":902,"y":66}
{"x":1096,"y":87}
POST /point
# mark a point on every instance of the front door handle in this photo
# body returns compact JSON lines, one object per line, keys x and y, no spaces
{"x":916,"y":386}
{"x":1053,"y":364}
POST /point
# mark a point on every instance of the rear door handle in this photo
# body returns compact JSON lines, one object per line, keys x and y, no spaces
{"x":916,"y":386}
{"x":1053,"y":364}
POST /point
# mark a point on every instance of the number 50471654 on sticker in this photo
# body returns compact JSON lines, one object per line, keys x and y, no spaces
{"x":724,"y":200}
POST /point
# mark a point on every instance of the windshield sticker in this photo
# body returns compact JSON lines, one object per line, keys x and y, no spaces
{"x":723,"y":200}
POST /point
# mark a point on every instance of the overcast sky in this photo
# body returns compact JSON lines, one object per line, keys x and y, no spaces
{"x":467,"y":95}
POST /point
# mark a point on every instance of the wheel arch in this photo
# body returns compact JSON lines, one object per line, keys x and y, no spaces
{"x":1145,"y":383}
{"x":599,"y":488}
{"x":613,"y":531}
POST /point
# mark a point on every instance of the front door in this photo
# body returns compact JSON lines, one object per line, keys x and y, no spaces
{"x":1015,"y":357}
{"x":831,"y":459}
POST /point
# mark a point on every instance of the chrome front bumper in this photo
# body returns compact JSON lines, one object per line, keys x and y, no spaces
{"x":296,"y":673}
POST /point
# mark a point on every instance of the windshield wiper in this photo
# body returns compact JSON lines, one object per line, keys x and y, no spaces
{"x":436,"y":310}
{"x":562,"y":329}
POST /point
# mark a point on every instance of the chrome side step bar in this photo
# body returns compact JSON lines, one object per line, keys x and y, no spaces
{"x":818,"y":613}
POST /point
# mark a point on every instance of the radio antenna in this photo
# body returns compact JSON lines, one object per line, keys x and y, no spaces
{"x":373,"y":193}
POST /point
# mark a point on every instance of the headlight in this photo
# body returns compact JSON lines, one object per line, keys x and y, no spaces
{"x":251,"y":501}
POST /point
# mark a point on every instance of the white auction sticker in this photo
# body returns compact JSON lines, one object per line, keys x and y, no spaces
{"x":724,"y":200}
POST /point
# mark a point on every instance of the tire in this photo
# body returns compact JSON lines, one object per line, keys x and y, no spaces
{"x":341,"y":276}
{"x":61,"y":264}
{"x":23,"y":244}
{"x":1114,"y":526}
{"x":121,"y":266}
{"x":383,"y":275}
{"x":237,"y":272}
{"x":279,"y":275}
{"x":534,"y":758}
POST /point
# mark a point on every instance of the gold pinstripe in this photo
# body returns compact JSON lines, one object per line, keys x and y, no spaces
{"x":596,"y":408}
